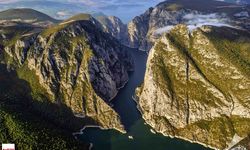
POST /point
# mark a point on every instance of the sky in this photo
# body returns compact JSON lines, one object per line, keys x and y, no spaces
{"x":61,"y":9}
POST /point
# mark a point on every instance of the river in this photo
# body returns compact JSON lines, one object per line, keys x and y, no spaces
{"x":139,"y":135}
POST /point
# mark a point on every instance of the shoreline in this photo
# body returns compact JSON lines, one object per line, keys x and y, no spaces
{"x":135,"y":99}
{"x":166,"y":135}
{"x":137,"y":105}
{"x":98,"y":126}
{"x":138,"y":108}
{"x":195,"y":142}
{"x":94,"y":126}
{"x":118,"y":89}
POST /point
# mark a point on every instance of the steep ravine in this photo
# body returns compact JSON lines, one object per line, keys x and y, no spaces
{"x":139,"y":135}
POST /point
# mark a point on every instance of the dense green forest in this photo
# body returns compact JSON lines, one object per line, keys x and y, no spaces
{"x":32,"y":124}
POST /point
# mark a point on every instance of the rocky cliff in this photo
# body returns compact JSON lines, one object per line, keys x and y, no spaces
{"x":197,"y":85}
{"x":72,"y":63}
{"x":145,"y":29}
{"x":115,"y":27}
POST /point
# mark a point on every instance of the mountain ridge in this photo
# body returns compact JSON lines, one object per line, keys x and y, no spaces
{"x":142,"y":29}
{"x":26,"y":14}
{"x":75,"y":64}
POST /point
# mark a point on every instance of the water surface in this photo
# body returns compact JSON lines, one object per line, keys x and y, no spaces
{"x":124,"y":105}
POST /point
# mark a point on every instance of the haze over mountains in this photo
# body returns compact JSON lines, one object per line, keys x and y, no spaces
{"x":67,"y":71}
{"x":237,"y":1}
{"x":62,"y":9}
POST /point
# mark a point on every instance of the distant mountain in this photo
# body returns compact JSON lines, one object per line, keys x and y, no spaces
{"x":145,"y":29}
{"x":238,"y":1}
{"x":56,"y":9}
{"x":79,"y":17}
{"x":114,"y":26}
{"x":27,"y":15}
{"x":109,"y":24}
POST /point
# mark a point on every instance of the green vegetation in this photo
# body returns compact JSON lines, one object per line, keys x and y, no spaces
{"x":32,"y":124}
{"x":235,"y":49}
{"x":25,"y":14}
{"x":53,"y":29}
{"x":169,"y":78}
{"x":79,"y":17}
{"x":30,"y":76}
{"x":232,"y":50}
{"x":241,"y":125}
{"x":161,"y":71}
{"x":29,"y":132}
{"x":218,"y":131}
{"x":14,"y":33}
{"x":177,"y":65}
{"x":81,"y":51}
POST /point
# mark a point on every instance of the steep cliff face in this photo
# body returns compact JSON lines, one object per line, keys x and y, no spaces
{"x":197,"y":85}
{"x":115,"y":27}
{"x":72,"y":63}
{"x":138,"y":29}
{"x":145,"y":29}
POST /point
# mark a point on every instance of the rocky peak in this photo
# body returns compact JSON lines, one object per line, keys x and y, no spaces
{"x":114,"y":26}
{"x":145,"y":29}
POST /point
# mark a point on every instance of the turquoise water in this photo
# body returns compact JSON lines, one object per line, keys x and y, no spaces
{"x":143,"y":138}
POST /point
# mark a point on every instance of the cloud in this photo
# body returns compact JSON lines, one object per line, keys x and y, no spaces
{"x":63,"y":14}
{"x":85,"y":2}
{"x":8,"y":1}
{"x":124,"y":9}
{"x":164,"y":29}
{"x":194,"y":20}
{"x":110,"y":3}
{"x":197,"y":20}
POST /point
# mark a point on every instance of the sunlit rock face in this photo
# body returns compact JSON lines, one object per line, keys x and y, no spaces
{"x":73,"y":63}
{"x":197,"y":85}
